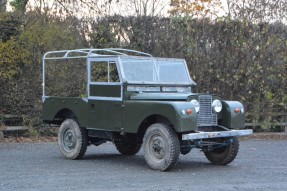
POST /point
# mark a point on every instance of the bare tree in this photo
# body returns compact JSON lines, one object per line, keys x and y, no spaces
{"x":19,"y":5}
{"x":258,"y":10}
{"x":3,"y":4}
{"x":140,"y":7}
{"x":79,"y":8}
{"x":195,"y":8}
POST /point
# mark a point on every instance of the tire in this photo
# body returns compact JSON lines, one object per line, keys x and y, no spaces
{"x":72,"y":140}
{"x":224,"y":155}
{"x":128,"y":149}
{"x":185,"y":150}
{"x":161,"y":147}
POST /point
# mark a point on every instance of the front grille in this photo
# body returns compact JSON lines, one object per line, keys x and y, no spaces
{"x":205,"y":116}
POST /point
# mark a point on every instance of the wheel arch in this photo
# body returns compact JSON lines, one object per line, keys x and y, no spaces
{"x":152,"y":119}
{"x":63,"y":114}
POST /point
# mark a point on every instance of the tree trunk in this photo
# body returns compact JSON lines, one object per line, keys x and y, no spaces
{"x":3,"y":4}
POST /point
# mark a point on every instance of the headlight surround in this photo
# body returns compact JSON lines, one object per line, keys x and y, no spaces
{"x":196,"y":105}
{"x":217,"y":106}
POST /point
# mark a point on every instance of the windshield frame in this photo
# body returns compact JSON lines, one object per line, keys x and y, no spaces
{"x":154,"y":59}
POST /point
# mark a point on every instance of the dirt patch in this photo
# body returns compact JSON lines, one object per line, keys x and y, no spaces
{"x":28,"y":139}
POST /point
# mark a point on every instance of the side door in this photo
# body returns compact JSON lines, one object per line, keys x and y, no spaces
{"x":105,"y":94}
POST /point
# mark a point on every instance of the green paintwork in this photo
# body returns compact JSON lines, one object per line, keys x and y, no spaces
{"x":136,"y":111}
{"x":105,"y":115}
{"x":105,"y":90}
{"x":161,"y":96}
{"x":97,"y":114}
{"x":54,"y":105}
{"x":127,"y":115}
{"x":230,"y":119}
{"x":120,"y":116}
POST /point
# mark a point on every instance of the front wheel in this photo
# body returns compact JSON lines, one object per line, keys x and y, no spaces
{"x":224,"y":155}
{"x":161,"y":147}
{"x":72,"y":139}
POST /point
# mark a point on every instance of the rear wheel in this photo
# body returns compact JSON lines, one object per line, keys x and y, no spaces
{"x":128,"y":148}
{"x":224,"y":155}
{"x":72,"y":139}
{"x":161,"y":147}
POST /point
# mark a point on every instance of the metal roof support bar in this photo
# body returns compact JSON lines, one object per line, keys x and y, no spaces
{"x":64,"y":54}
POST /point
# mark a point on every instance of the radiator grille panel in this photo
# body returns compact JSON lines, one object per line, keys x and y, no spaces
{"x":206,"y":117}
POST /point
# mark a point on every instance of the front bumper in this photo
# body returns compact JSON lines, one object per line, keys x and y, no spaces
{"x":216,"y":134}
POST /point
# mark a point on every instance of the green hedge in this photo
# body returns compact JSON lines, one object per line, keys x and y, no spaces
{"x":239,"y":60}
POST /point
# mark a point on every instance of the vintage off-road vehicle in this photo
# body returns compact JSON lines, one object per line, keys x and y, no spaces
{"x":135,"y":100}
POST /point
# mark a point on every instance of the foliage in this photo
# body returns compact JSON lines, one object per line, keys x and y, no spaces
{"x":19,"y":5}
{"x":239,"y":59}
{"x":20,"y":71}
{"x":258,"y":11}
{"x":3,"y":4}
{"x":236,"y":59}
{"x":194,"y":7}
{"x":10,"y":25}
{"x":12,"y":58}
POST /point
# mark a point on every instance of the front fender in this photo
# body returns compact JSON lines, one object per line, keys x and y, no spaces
{"x":230,"y":118}
{"x":135,"y":112}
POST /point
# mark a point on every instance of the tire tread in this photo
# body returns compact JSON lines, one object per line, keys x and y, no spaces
{"x":83,"y":138}
{"x":229,"y":155}
{"x":174,"y":145}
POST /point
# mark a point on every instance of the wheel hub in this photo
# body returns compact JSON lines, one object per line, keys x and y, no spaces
{"x":158,"y":147}
{"x":69,"y":140}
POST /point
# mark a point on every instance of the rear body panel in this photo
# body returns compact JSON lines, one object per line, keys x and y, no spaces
{"x":92,"y":114}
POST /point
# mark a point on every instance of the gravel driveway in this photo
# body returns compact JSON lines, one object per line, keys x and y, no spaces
{"x":260,"y":165}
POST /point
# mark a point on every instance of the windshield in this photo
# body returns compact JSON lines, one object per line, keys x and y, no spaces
{"x":155,"y":70}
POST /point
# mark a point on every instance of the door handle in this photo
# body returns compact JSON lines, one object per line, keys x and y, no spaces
{"x":120,"y":104}
{"x":92,"y":107}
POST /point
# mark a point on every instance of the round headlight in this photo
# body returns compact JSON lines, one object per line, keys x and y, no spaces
{"x":195,"y":103}
{"x":217,"y":106}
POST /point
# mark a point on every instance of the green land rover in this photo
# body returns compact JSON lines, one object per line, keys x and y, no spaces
{"x":136,"y":100}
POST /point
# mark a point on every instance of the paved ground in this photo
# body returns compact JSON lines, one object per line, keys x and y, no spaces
{"x":260,"y":165}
